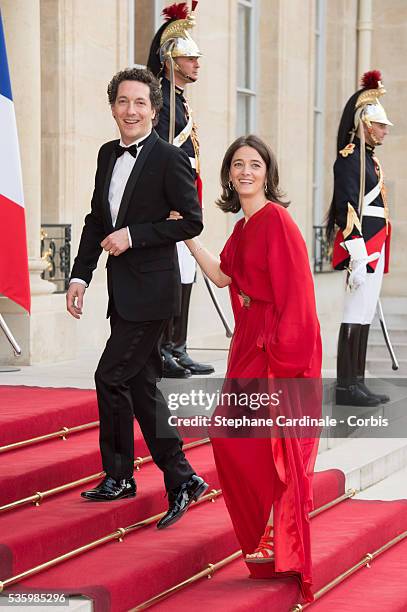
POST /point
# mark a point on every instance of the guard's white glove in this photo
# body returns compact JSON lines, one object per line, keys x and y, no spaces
{"x":357,"y":276}
{"x":358,"y":262}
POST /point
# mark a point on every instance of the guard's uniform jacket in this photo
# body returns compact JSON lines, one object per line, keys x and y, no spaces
{"x":186,"y":139}
{"x":181,"y":119}
{"x":375,"y":228}
{"x":185,"y":128}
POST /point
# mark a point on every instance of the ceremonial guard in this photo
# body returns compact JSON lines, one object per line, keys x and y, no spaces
{"x":173,"y":58}
{"x":362,"y":242}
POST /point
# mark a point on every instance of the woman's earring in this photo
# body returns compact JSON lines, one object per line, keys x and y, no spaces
{"x":265,"y":187}
{"x":231,"y":186}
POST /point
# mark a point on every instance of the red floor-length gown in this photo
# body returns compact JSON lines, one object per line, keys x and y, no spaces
{"x":277,"y":336}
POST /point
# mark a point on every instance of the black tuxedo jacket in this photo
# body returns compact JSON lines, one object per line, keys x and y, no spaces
{"x":143,"y":282}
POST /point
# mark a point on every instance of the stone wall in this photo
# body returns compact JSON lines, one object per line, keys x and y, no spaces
{"x":62,"y":54}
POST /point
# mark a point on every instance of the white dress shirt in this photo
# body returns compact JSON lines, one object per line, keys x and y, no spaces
{"x":120,"y":175}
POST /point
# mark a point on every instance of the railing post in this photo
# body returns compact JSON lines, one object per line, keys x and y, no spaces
{"x":321,"y":251}
{"x":56,"y":251}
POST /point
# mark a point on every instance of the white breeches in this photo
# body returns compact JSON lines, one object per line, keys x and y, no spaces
{"x":360,"y":305}
{"x":187,"y":264}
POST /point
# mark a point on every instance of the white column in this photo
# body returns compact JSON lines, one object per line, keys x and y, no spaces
{"x":364,"y":29}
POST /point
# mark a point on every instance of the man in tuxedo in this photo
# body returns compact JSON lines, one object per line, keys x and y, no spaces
{"x":139,"y":179}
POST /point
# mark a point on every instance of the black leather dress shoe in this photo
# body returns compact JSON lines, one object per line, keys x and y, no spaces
{"x":354,"y":396}
{"x":172,"y":369}
{"x":193,"y":366}
{"x":110,"y":489}
{"x":181,"y":498}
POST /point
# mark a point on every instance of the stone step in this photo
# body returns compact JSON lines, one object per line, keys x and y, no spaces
{"x":380,"y":351}
{"x":397,"y":335}
{"x":382,"y":368}
{"x":392,"y":487}
{"x":365,"y":461}
{"x":398,"y":319}
{"x":394,"y":305}
{"x":394,"y":411}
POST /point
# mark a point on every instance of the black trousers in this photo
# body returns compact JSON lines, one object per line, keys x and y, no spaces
{"x":126,"y":388}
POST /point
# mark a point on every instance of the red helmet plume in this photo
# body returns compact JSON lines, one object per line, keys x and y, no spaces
{"x":370,"y":80}
{"x":175,"y":11}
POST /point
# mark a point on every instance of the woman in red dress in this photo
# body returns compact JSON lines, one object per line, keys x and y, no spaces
{"x":266,"y":482}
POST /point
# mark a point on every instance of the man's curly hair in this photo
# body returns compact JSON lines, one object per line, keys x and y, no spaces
{"x":142,"y":75}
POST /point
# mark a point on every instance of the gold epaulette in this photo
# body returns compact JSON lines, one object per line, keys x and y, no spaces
{"x":348,"y":150}
{"x":352,"y":221}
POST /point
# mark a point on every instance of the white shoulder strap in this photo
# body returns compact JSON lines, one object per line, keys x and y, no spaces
{"x":184,"y":134}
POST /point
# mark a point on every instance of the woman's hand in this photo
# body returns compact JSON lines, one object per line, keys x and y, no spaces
{"x":174,"y":216}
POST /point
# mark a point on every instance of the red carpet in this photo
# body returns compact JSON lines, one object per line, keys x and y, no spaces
{"x":42,"y":532}
{"x":26,"y":412}
{"x":340,"y":536}
{"x":119,"y":576}
{"x":384,"y":583}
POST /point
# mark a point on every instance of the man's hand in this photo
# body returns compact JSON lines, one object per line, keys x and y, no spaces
{"x":117,"y":242}
{"x":74,"y":299}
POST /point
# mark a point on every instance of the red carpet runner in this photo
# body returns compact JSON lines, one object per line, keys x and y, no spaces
{"x":119,"y":576}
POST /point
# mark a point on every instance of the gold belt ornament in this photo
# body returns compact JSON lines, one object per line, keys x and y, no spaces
{"x":246,"y":300}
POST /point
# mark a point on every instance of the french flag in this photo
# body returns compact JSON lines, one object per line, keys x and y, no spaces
{"x":14,"y":279}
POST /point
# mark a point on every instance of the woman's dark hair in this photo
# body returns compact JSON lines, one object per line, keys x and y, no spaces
{"x":229,"y":200}
{"x":142,"y":76}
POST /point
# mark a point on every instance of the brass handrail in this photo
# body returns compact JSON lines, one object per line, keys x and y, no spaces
{"x":39,"y":496}
{"x":207,"y":572}
{"x":122,"y":531}
{"x":61,"y":433}
{"x":334,"y":502}
{"x":347,"y":495}
{"x":364,"y":562}
{"x":211,"y":567}
{"x":116,"y":535}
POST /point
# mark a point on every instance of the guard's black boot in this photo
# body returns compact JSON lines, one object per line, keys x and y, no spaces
{"x":171,"y":368}
{"x":364,"y":335}
{"x":194,"y":366}
{"x":348,"y":392}
{"x":179,"y":337}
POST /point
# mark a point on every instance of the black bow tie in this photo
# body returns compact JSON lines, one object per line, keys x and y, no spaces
{"x":132,"y":150}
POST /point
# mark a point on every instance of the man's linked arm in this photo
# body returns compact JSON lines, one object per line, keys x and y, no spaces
{"x":182,"y":196}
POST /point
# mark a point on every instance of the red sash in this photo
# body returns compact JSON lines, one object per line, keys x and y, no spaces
{"x":198,"y":184}
{"x":340,"y":256}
